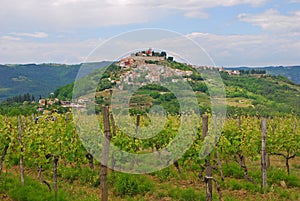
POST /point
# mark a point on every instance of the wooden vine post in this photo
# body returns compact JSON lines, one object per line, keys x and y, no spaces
{"x":217,"y":148}
{"x":106,"y":146}
{"x":4,"y":151}
{"x":54,"y":165}
{"x":114,"y":132}
{"x":208,"y":168}
{"x":22,"y":168}
{"x":264,"y":155}
{"x":136,"y":148}
{"x":137,"y":124}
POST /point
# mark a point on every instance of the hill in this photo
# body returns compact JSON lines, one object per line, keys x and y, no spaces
{"x":290,"y":72}
{"x":251,"y":94}
{"x":38,"y":79}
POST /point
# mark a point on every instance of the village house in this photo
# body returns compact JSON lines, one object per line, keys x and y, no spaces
{"x":233,"y":72}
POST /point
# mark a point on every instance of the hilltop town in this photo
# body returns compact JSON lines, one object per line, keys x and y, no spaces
{"x":149,"y":56}
{"x":143,"y":68}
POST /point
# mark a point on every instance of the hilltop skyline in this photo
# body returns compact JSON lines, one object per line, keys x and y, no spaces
{"x":233,"y":33}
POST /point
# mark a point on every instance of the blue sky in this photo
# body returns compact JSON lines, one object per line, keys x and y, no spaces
{"x":233,"y":32}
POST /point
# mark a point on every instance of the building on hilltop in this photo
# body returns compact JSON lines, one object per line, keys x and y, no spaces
{"x":142,"y":57}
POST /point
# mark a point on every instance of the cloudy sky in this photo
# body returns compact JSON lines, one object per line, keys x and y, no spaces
{"x":233,"y":32}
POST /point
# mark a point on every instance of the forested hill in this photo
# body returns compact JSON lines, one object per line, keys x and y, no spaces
{"x":290,"y":72}
{"x":38,"y":79}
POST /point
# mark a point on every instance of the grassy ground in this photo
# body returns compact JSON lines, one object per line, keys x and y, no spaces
{"x":165,"y":185}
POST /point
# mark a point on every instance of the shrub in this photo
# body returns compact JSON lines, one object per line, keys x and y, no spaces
{"x":131,"y":185}
{"x":235,"y":185}
{"x":233,"y":170}
{"x":276,"y":175}
{"x":69,"y":174}
{"x":188,"y":194}
{"x":87,"y":176}
{"x":32,"y":191}
{"x":166,"y":174}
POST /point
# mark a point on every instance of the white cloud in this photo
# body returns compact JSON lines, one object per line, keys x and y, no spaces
{"x":66,"y":14}
{"x":12,"y":51}
{"x":10,"y":38}
{"x":225,"y":50}
{"x":196,"y":4}
{"x":33,"y":35}
{"x":254,"y":50}
{"x":194,"y":8}
{"x":196,"y":14}
{"x":294,"y":1}
{"x":274,"y":21}
{"x":63,"y":2}
{"x":69,"y":14}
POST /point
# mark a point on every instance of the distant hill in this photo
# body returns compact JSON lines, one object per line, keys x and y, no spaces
{"x":39,"y":79}
{"x":290,"y":72}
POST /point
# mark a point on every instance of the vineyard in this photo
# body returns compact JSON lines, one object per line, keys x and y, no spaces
{"x":44,"y":159}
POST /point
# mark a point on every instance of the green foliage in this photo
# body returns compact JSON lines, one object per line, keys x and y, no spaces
{"x":199,"y":87}
{"x":233,"y":170}
{"x":289,"y":74}
{"x":276,"y":175}
{"x":284,"y":136}
{"x":32,"y":191}
{"x":178,"y":65}
{"x":253,"y":71}
{"x":14,"y":109}
{"x":235,"y":185}
{"x":166,"y":174}
{"x":287,"y":195}
{"x":241,"y":137}
{"x":131,"y":185}
{"x":271,"y":96}
{"x":21,"y":98}
{"x":40,"y":79}
{"x":292,"y":73}
{"x":65,"y":92}
{"x":69,"y":174}
{"x":84,"y":175}
{"x":188,"y":194}
{"x":226,"y":198}
{"x":104,"y":84}
{"x":154,"y":87}
{"x":242,"y":184}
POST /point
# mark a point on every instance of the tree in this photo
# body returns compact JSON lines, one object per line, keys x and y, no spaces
{"x":163,"y":54}
{"x":284,"y":137}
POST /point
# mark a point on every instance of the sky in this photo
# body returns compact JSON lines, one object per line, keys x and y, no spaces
{"x":232,"y":32}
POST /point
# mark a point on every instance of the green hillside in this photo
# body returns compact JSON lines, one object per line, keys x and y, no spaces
{"x":261,"y":95}
{"x":290,"y":72}
{"x":38,"y":79}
